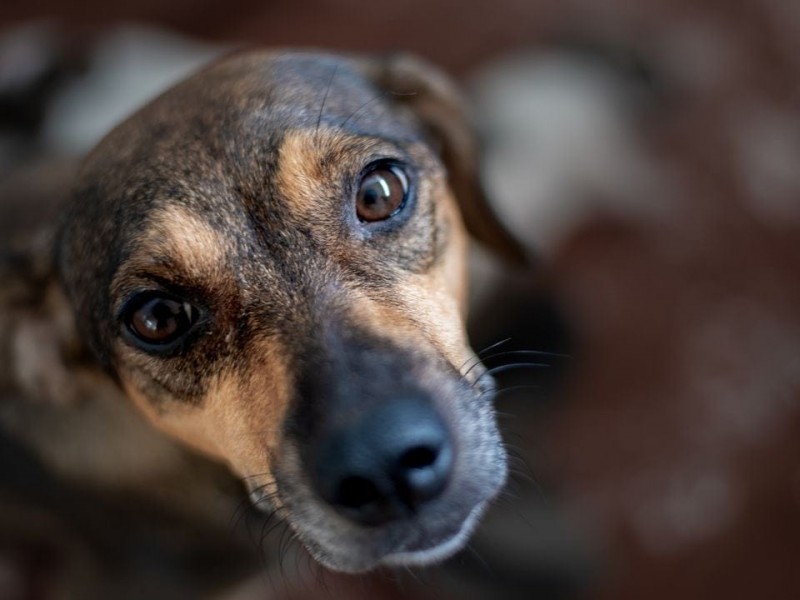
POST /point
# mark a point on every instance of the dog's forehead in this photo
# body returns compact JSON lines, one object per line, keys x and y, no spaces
{"x":221,"y":131}
{"x":249,"y":101}
{"x":217,"y":136}
{"x":301,"y":90}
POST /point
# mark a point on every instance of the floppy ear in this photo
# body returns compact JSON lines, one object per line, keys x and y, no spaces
{"x":40,"y":351}
{"x":433,"y":98}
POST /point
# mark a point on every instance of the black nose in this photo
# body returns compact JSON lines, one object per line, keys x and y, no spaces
{"x":386,"y":464}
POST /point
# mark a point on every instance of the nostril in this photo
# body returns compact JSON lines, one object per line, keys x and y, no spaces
{"x":357,"y":492}
{"x":360,"y":499}
{"x":420,"y":457}
{"x":422,"y":473}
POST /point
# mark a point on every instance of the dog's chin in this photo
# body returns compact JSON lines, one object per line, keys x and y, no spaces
{"x":437,"y":552}
{"x":414,"y":544}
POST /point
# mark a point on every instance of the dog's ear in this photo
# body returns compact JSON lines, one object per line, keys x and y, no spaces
{"x":40,"y":351}
{"x":434,"y":100}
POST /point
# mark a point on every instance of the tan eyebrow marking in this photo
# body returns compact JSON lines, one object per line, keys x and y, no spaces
{"x":177,"y":232}
{"x":301,"y":174}
{"x":177,"y":243}
{"x":312,"y":160}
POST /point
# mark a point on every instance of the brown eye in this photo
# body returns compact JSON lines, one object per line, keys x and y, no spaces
{"x":382,"y":193}
{"x":158,"y":320}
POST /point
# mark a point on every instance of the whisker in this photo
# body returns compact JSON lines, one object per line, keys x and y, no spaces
{"x":527,"y":352}
{"x":261,"y":493}
{"x":266,"y":501}
{"x":524,"y":469}
{"x":262,"y":539}
{"x":245,"y":503}
{"x":240,"y":512}
{"x":265,"y":532}
{"x":515,"y":388}
{"x":282,"y":552}
{"x":414,"y":575}
{"x":518,"y":365}
{"x":479,"y":354}
{"x":301,"y":574}
{"x":362,"y":107}
{"x":493,"y":346}
{"x":509,"y":353}
{"x":264,"y":486}
{"x":517,"y":474}
{"x":481,"y":561}
{"x":325,"y":99}
{"x":493,"y":391}
{"x":318,"y":576}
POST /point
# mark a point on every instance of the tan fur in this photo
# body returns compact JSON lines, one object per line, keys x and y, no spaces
{"x":431,"y":308}
{"x":237,"y":422}
{"x":300,"y":175}
{"x":192,"y":246}
{"x":428,"y":299}
{"x":308,"y":157}
{"x":187,"y":238}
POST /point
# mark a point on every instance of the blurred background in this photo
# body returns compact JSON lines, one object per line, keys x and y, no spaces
{"x":647,"y":152}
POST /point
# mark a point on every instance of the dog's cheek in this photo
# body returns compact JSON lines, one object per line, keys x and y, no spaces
{"x":426,"y":306}
{"x":438,"y":312}
{"x":451,"y":274}
{"x":438,"y":298}
{"x":180,"y":422}
{"x":238,"y":421}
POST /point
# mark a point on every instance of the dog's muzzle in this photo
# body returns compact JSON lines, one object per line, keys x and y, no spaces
{"x":390,"y":455}
{"x":386,"y":465}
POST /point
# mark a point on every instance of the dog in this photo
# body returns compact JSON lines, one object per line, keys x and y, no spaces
{"x":270,"y":260}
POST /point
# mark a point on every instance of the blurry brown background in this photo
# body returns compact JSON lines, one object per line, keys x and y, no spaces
{"x":667,"y":446}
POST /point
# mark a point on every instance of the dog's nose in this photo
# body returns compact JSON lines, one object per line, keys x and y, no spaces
{"x":387,"y":464}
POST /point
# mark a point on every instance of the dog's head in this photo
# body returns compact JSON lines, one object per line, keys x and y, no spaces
{"x":270,"y":258}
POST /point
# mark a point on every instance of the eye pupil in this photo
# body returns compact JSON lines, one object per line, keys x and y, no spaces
{"x":160,"y":320}
{"x":381,"y":193}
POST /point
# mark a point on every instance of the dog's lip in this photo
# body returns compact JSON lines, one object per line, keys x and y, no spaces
{"x":414,"y":541}
{"x":448,"y":544}
{"x":423,"y":544}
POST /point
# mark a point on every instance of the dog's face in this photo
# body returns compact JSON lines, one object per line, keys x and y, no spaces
{"x":271,"y":259}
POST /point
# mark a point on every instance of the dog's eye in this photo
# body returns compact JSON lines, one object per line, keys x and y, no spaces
{"x":158,"y":319}
{"x":382,"y":192}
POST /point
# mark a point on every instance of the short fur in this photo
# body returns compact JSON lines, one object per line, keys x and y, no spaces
{"x":234,"y":190}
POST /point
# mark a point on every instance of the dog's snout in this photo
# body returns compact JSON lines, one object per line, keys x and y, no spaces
{"x":387,"y":464}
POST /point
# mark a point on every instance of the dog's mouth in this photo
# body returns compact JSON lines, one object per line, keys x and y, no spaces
{"x":435,"y":549}
{"x":421,"y":540}
{"x":407,"y":544}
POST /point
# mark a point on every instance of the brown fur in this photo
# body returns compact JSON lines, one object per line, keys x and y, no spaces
{"x":234,"y":193}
